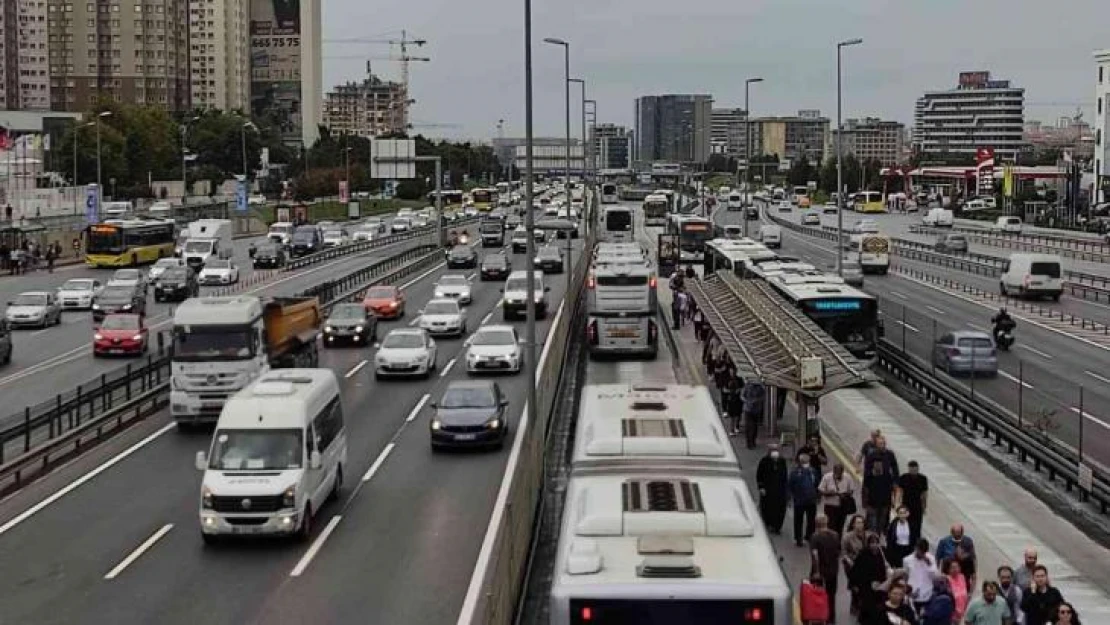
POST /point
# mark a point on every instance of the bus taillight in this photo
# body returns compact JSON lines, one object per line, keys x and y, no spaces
{"x":653,"y":332}
{"x":591,"y":332}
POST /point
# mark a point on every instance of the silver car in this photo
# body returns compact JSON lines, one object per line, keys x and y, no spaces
{"x":443,"y":316}
{"x":966,"y":351}
{"x":852,"y":272}
{"x":78,"y":293}
{"x":492,"y":349}
{"x":453,"y":286}
{"x":129,"y":277}
{"x":405,"y":351}
{"x":34,"y":309}
{"x":161,"y":266}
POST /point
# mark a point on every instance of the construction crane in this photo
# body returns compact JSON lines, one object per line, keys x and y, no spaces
{"x":403,"y":58}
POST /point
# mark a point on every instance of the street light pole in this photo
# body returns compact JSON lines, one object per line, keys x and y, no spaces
{"x":748,"y":148}
{"x":593,"y":163}
{"x":243,"y":131}
{"x":184,"y":153}
{"x":99,"y":186}
{"x":529,"y":220}
{"x":839,"y":169}
{"x":566,"y":91}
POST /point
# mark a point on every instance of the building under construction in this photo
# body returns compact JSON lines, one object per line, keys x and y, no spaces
{"x":373,"y":107}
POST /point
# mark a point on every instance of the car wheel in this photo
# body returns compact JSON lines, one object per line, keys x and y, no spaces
{"x":337,"y":485}
{"x":305,"y":531}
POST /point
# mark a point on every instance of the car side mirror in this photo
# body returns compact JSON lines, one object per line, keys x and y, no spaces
{"x":504,"y":403}
{"x":502,"y":289}
{"x":546,"y":289}
{"x":314,"y":460}
{"x":201,"y":461}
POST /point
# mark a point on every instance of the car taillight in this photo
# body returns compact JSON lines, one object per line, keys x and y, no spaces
{"x":591,"y":332}
{"x":653,"y":282}
{"x":591,"y":283}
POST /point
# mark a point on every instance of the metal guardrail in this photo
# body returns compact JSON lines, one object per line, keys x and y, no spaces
{"x":1045,"y":453}
{"x":1095,"y":251}
{"x":362,"y":246}
{"x":334,"y":291}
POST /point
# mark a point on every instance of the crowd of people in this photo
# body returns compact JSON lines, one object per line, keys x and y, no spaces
{"x":28,"y":256}
{"x":868,"y":532}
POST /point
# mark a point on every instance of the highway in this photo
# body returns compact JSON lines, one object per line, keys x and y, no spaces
{"x":52,"y":360}
{"x":400,"y":544}
{"x":1050,"y":362}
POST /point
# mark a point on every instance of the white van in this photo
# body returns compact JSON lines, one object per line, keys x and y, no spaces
{"x":971,"y":206}
{"x":1032,"y":275}
{"x":735,"y":201}
{"x":938,"y":218}
{"x":770,"y":236}
{"x":277,"y":455}
{"x":1007,"y":224}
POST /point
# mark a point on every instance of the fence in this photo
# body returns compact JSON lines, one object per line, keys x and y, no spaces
{"x":362,"y":246}
{"x":1082,"y":249}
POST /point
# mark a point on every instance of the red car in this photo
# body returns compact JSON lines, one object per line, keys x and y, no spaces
{"x":387,"y":302}
{"x":120,"y":334}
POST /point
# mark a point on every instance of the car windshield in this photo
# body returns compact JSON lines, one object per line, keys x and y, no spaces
{"x":403,"y":340}
{"x":468,"y":397}
{"x":198,"y":246}
{"x":548,"y":252}
{"x":167,"y":262}
{"x":494,"y":337}
{"x":78,"y":285}
{"x":268,"y":250}
{"x":126,"y":275}
{"x":441,"y":308}
{"x":174,"y":273}
{"x":348,"y":311}
{"x":30,"y":299}
{"x":495,"y":260}
{"x":213,"y":343}
{"x":256,"y":450}
{"x":217,"y":264}
{"x":116,"y":292}
{"x":453,"y":281}
{"x":120,"y":322}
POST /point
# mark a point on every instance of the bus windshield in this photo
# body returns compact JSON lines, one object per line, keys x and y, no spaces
{"x":693,"y":234}
{"x":618,"y":221}
{"x":104,"y":239}
{"x":481,"y":196}
{"x":849,"y":321}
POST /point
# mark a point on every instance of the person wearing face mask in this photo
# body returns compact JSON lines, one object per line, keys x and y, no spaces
{"x":803,"y":494}
{"x":1042,"y":602}
{"x":771,"y":479}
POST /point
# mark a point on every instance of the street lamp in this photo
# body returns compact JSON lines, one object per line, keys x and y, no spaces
{"x":593,"y":166}
{"x":839,"y":171}
{"x":566,"y":89}
{"x":99,"y":187}
{"x":184,"y":179}
{"x":347,"y":166}
{"x":243,"y":132}
{"x":529,"y":220}
{"x":748,"y":147}
{"x":582,"y":82}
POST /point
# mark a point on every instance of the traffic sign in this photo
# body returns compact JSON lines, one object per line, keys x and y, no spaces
{"x":92,"y":204}
{"x":242,"y":202}
{"x":393,"y":158}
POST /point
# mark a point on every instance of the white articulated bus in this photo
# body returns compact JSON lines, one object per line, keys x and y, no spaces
{"x":622,"y":309}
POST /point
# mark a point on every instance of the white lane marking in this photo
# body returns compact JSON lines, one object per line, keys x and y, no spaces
{"x":1097,"y":376}
{"x":79,"y":482}
{"x":447,"y":367}
{"x":470,"y":277}
{"x":1014,"y":379}
{"x":306,"y":559}
{"x":355,"y":369}
{"x":139,"y":551}
{"x":1035,"y":351}
{"x":38,"y":332}
{"x":415,"y":320}
{"x":423,"y":275}
{"x":905,"y":325}
{"x":898,"y":295}
{"x":378,"y":462}
{"x":936,"y":310}
{"x":1092,"y":417}
{"x":417,"y":408}
{"x":975,"y":327}
{"x":486,"y":318}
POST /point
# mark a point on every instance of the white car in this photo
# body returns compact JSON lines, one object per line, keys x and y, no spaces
{"x":420,"y":221}
{"x":78,"y":294}
{"x":829,"y":208}
{"x":494,"y":348}
{"x":400,"y":224}
{"x":219,"y":271}
{"x":405,"y":351}
{"x":470,"y":211}
{"x":364,"y":233}
{"x":551,"y":210}
{"x":256,"y":200}
{"x":785,"y":207}
{"x":128,"y":277}
{"x":811,"y":219}
{"x":453,"y":286}
{"x":336,"y":238}
{"x":375,"y":223}
{"x":443,"y":316}
{"x":867,"y":226}
{"x":161,"y":266}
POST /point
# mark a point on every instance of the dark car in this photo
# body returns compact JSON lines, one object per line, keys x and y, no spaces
{"x":549,"y":259}
{"x":176,"y":284}
{"x":470,"y":414}
{"x":496,"y":267}
{"x":462,"y":256}
{"x":119,"y":299}
{"x":306,"y":240}
{"x":350,"y":323}
{"x":269,"y":256}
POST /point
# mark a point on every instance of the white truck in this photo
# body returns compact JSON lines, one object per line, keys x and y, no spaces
{"x":208,"y":238}
{"x":221,"y":344}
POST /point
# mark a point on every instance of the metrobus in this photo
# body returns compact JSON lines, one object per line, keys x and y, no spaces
{"x":609,"y":193}
{"x":484,"y":199}
{"x":800,"y":193}
{"x":621,"y":308}
{"x":873,"y":251}
{"x":656,"y":206}
{"x":737,"y":256}
{"x":693,"y":232}
{"x":848,"y":315}
{"x":618,"y":225}
{"x":127,"y":243}
{"x":869,"y":202}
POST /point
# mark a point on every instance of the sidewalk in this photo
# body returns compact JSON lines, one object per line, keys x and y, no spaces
{"x":1000,"y":516}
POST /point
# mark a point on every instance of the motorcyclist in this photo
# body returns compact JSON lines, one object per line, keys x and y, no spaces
{"x":1003,"y":322}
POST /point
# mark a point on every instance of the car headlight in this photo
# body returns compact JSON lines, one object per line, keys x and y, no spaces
{"x":493,"y":424}
{"x":435,"y":424}
{"x":329,"y":329}
{"x":206,"y":498}
{"x":127,"y":307}
{"x":137,"y":337}
{"x":98,"y":337}
{"x":393,"y":304}
{"x":289,"y":498}
{"x":358,"y":329}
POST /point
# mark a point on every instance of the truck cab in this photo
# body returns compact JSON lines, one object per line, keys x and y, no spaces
{"x":492,"y":232}
{"x":208,"y":238}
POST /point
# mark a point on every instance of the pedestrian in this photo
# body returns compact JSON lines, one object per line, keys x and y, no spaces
{"x":838,"y":496}
{"x":867,"y":447}
{"x":968,"y":566}
{"x":989,"y":608}
{"x":76,"y":247}
{"x":853,"y":543}
{"x":921,"y":570}
{"x":721,"y":371}
{"x":690,"y":273}
{"x":1042,"y":602}
{"x":869,"y":571}
{"x":895,"y":610}
{"x":735,"y":407}
{"x":771,"y":479}
{"x":698,"y":320}
{"x":15,"y":257}
{"x":5,"y":253}
{"x":677,"y":282}
{"x":941,"y":606}
{"x":753,"y":396}
{"x":803,"y":494}
{"x":880,"y":473}
{"x":912,"y":492}
{"x":957,"y":584}
{"x":1011,"y":593}
{"x":899,"y":538}
{"x":680,"y":303}
{"x":946,"y":548}
{"x":1023,"y":575}
{"x":1066,"y":615}
{"x":50,"y":258}
{"x":824,"y":546}
{"x":817,"y":456}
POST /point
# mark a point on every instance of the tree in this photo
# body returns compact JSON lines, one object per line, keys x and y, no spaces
{"x":801,"y":172}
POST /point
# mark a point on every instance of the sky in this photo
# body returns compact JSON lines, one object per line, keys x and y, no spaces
{"x":626,"y":49}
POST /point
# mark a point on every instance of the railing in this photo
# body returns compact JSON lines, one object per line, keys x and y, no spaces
{"x":362,"y":246}
{"x":1096,"y":251}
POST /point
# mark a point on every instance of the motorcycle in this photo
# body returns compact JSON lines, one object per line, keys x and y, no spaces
{"x":1004,"y":338}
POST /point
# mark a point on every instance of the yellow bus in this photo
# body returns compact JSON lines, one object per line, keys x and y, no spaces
{"x":484,"y":199}
{"x":869,"y":202}
{"x":129,"y":243}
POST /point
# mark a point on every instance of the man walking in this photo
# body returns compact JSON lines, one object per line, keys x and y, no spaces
{"x":988,"y":609}
{"x":803,"y":494}
{"x":824,"y":546}
{"x":921,"y":570}
{"x":880,"y":472}
{"x":771,"y":479}
{"x":753,"y":395}
{"x":1011,"y":593}
{"x":912,"y":492}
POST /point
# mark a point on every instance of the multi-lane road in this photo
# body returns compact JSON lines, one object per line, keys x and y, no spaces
{"x":1050,"y":359}
{"x":398,"y":547}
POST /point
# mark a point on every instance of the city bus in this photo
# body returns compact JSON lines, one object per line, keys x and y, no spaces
{"x":129,"y":243}
{"x":618,"y":225}
{"x":656,"y":207}
{"x":801,"y":193}
{"x":622,"y":308}
{"x":609,"y":193}
{"x":484,"y":199}
{"x":848,"y":315}
{"x":869,"y":202}
{"x":693,"y":232}
{"x":450,"y":198}
{"x":873,"y":251}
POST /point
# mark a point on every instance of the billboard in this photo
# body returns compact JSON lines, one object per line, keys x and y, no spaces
{"x":276,"y":65}
{"x":984,"y":158}
{"x":974,"y":79}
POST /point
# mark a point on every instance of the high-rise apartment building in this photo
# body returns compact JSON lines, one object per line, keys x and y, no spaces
{"x":1102,"y":126}
{"x":792,"y":137}
{"x":219,"y":54}
{"x":24,"y":69}
{"x":612,"y":146}
{"x":673,"y":128}
{"x":978,"y":113}
{"x":872,"y":139}
{"x":132,"y":51}
{"x":287,"y":67}
{"x":370,"y":108}
{"x":728,"y":132}
{"x":9,"y":56}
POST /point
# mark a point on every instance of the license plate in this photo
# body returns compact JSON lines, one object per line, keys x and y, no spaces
{"x":211,"y":404}
{"x":246,"y":529}
{"x":624,"y":334}
{"x":115,"y":351}
{"x":465,"y":437}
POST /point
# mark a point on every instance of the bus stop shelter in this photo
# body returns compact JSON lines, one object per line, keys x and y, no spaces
{"x":771,"y":341}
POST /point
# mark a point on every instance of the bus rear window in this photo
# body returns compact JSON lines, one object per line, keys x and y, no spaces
{"x":622,"y":280}
{"x":618,"y":221}
{"x":1051,"y":270}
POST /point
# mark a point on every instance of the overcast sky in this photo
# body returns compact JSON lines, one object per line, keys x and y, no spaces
{"x":629,"y":48}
